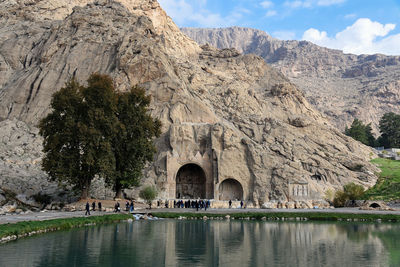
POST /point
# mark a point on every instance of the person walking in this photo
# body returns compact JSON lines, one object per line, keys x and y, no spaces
{"x":230,"y":203}
{"x":117,"y":207}
{"x":241,"y":204}
{"x":99,"y":205}
{"x":87,"y":209}
{"x":94,"y":205}
{"x":132,"y":206}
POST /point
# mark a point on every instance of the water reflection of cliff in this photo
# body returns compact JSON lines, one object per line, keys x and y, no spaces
{"x":211,"y":243}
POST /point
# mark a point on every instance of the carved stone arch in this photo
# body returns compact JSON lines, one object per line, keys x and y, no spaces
{"x":230,"y":189}
{"x":191,"y":182}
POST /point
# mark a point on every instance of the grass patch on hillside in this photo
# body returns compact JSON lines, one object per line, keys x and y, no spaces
{"x":312,"y":216}
{"x":23,"y":228}
{"x":388,"y":185}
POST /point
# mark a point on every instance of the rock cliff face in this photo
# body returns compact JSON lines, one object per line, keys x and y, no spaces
{"x":342,"y":86}
{"x":243,"y":123}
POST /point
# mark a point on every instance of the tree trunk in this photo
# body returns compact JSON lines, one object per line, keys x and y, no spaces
{"x":85,"y":189}
{"x":118,"y":190}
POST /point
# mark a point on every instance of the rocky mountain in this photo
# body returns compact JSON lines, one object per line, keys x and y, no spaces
{"x":341,"y":86}
{"x":241,"y":122}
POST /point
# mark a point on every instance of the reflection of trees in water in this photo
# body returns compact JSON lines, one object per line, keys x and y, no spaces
{"x":113,"y":245}
{"x":390,"y":238}
{"x":74,"y":248}
{"x":211,"y":243}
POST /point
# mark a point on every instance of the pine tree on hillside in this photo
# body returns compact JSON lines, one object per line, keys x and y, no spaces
{"x":361,"y":132}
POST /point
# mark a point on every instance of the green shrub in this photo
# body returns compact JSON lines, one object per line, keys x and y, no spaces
{"x":340,"y":199}
{"x":350,"y":191}
{"x":353,"y":191}
{"x":148,"y":193}
{"x":43,"y":199}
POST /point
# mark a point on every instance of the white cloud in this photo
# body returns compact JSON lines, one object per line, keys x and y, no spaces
{"x":266,"y":4}
{"x":350,"y":16}
{"x":284,"y":35}
{"x":329,"y":2}
{"x":311,"y":3}
{"x":298,"y":4}
{"x":185,"y":12}
{"x":270,"y":13}
{"x":363,"y":37}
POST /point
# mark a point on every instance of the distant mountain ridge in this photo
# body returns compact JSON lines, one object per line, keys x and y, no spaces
{"x":342,"y":86}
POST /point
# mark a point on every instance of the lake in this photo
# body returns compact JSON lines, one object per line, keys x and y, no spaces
{"x":211,"y":243}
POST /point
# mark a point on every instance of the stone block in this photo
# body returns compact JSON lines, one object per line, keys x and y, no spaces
{"x":269,"y":205}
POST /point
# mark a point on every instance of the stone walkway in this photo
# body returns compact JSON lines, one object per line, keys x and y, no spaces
{"x":41,"y":216}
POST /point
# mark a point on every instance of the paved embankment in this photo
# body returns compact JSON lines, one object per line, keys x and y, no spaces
{"x":49,"y":215}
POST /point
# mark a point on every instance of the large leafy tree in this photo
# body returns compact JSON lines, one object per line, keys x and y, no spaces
{"x":361,"y":132}
{"x":389,"y":126}
{"x":133,"y":144}
{"x":95,"y":130}
{"x":78,"y":132}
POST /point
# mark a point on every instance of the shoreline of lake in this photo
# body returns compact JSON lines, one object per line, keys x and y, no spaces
{"x":46,"y":223}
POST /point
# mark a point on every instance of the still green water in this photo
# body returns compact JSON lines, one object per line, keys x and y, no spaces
{"x":211,"y":243}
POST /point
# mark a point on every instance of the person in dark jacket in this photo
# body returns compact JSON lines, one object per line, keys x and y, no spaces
{"x":94,"y":205}
{"x":127,"y":206}
{"x":99,"y":205}
{"x":117,"y":207}
{"x":87,"y":208}
{"x":132,"y":206}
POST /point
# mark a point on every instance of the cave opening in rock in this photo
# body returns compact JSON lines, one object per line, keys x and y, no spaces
{"x":230,"y":189}
{"x":191,"y":182}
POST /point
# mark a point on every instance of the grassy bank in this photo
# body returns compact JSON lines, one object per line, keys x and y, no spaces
{"x":388,"y":185}
{"x":317,"y":216}
{"x":24,"y":228}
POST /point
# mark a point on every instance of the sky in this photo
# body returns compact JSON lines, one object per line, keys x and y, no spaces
{"x":354,"y":26}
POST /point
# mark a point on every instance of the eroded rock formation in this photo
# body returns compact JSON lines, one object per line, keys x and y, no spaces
{"x":230,"y":114}
{"x":341,"y":86}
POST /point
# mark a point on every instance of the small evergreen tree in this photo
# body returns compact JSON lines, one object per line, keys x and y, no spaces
{"x":361,"y":132}
{"x":149,"y":193}
{"x":389,"y":126}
